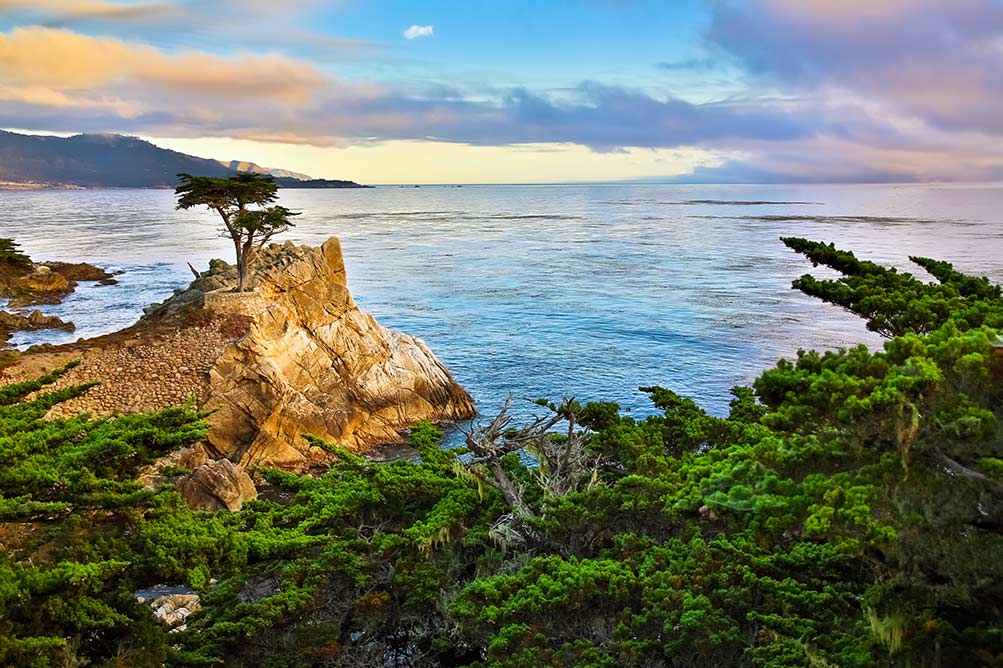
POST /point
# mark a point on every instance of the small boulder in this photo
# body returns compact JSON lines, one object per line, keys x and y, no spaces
{"x":173,"y":609}
{"x":193,"y":457}
{"x":217,"y":484}
{"x":44,"y":279}
{"x":38,"y":320}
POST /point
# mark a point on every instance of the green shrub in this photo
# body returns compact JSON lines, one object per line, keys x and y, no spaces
{"x":848,"y":512}
{"x":13,"y":258}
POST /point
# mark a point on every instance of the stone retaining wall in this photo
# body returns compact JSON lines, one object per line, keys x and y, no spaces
{"x":235,"y":303}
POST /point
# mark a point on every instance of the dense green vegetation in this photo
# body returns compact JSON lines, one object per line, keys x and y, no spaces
{"x":242,"y":204}
{"x":848,"y":512}
{"x":11,"y":257}
{"x":78,"y":535}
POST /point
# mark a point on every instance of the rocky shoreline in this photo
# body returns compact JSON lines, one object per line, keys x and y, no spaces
{"x":24,"y":283}
{"x":32,"y":322}
{"x":291,"y":358}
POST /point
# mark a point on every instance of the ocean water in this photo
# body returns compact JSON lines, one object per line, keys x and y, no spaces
{"x":544,"y":291}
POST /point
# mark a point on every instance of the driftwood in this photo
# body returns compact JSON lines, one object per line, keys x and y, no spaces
{"x":563,"y":463}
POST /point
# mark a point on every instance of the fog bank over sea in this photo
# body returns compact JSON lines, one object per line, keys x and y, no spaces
{"x":589,"y":291}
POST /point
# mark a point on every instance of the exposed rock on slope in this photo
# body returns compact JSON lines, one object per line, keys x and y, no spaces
{"x":293,"y":357}
{"x":145,"y":368}
{"x":204,"y":483}
{"x":251,"y":168}
{"x":18,"y":322}
{"x":217,"y":484}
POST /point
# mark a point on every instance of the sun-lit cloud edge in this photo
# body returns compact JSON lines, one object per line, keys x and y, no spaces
{"x":394,"y":162}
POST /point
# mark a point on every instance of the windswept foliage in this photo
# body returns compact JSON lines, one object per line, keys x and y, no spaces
{"x":242,"y":203}
{"x":78,"y":536}
{"x":11,"y":257}
{"x":896,"y":303}
{"x":847,"y":512}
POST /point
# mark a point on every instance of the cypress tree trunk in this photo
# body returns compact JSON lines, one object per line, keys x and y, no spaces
{"x":245,"y":253}
{"x":241,"y":274}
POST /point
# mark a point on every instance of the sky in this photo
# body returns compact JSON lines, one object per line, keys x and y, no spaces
{"x":739,"y":91}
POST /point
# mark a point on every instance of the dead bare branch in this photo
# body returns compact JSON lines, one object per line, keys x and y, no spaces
{"x":564,"y":464}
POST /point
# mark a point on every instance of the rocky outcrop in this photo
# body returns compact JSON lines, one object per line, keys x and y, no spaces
{"x":314,"y":363}
{"x":172,"y":609}
{"x":203,"y":482}
{"x":294,"y":356}
{"x":45,"y":286}
{"x":217,"y":484}
{"x":36,"y":320}
{"x":49,"y":282}
{"x":25,"y":283}
{"x":82,"y":272}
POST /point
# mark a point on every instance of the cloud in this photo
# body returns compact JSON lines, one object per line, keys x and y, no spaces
{"x":71,"y":11}
{"x":90,"y":69}
{"x":831,"y":159}
{"x":228,"y":25}
{"x":59,"y":80}
{"x":939,"y":62}
{"x":688,"y":64}
{"x":419,"y":31}
{"x":833,"y":91}
{"x":849,"y":10}
{"x":931,"y":71}
{"x":105,"y":84}
{"x":601,"y":117}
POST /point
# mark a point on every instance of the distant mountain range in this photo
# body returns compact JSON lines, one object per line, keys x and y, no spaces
{"x":118,"y":161}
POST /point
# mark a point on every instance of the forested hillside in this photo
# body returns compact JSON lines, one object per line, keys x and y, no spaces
{"x":848,"y":512}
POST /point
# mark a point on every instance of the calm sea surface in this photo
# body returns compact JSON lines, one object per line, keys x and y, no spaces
{"x":590,"y":291}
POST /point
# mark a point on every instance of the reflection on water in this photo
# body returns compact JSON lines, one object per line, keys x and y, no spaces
{"x":589,"y":291}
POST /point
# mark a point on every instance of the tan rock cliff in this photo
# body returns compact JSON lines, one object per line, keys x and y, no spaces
{"x":294,"y":356}
{"x":217,"y":484}
{"x":313,"y":363}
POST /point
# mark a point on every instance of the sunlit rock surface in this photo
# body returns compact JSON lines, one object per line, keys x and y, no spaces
{"x":313,"y":363}
{"x":294,"y":356}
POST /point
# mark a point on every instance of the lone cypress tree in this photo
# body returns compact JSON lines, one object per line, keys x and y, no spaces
{"x":242,"y":202}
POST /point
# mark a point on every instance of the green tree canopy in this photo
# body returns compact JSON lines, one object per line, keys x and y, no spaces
{"x":242,"y":202}
{"x":848,"y":512}
{"x":11,"y":256}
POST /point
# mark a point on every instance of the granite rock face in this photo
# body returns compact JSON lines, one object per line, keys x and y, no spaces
{"x":312,"y":363}
{"x":204,"y":483}
{"x":173,"y":609}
